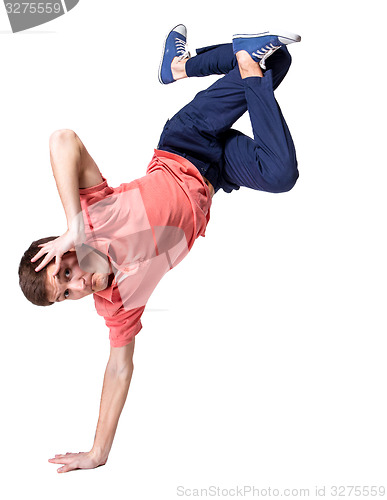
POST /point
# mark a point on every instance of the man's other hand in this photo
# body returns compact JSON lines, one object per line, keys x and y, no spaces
{"x":55,"y":249}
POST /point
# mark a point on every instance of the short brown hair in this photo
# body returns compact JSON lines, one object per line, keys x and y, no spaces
{"x":32,"y":283}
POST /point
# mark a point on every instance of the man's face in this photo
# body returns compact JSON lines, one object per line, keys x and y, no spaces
{"x":72,"y":283}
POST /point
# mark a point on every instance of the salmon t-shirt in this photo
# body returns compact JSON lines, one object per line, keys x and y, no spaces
{"x":143,"y":228}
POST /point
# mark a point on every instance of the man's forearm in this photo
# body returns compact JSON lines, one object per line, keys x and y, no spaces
{"x":114,"y":393}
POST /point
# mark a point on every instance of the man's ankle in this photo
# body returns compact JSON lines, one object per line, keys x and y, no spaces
{"x":247,"y":66}
{"x":178,"y":68}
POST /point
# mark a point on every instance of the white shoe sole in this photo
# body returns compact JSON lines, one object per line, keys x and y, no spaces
{"x":283,"y":36}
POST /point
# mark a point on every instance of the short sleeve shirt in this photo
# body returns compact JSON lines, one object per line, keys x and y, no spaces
{"x":144,"y":228}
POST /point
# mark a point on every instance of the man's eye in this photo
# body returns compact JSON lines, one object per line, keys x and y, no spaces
{"x":67,"y":273}
{"x":66,"y":294}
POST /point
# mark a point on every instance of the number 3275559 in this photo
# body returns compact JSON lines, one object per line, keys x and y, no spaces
{"x":33,"y":8}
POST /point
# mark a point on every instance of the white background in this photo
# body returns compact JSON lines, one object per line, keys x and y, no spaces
{"x":262,"y":359}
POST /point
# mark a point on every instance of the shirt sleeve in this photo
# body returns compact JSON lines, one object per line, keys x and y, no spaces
{"x":124,"y":326}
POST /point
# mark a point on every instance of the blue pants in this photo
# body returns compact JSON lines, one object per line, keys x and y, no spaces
{"x":202,"y":133}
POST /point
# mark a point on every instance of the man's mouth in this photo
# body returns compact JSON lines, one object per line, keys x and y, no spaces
{"x":98,"y":282}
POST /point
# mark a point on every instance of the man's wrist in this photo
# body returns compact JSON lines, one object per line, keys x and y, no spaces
{"x":99,"y":454}
{"x":76,"y":226}
{"x":76,"y":230}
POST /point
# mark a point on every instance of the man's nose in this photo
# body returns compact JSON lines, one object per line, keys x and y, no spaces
{"x":78,"y":285}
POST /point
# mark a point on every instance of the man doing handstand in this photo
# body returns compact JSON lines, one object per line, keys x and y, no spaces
{"x":121,"y":241}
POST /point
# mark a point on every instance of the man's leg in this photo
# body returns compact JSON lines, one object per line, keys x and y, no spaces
{"x":186,"y":133}
{"x":220,"y":60}
{"x":267,"y":162}
{"x":200,"y":131}
{"x":213,"y":60}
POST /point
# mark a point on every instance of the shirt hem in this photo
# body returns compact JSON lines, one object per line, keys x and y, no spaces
{"x":183,"y":161}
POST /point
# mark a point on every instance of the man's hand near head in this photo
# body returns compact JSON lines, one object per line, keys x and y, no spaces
{"x":73,"y":168}
{"x":55,"y":249}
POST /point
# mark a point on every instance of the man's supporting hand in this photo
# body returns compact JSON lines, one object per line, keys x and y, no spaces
{"x":73,"y":461}
{"x":116,"y":384}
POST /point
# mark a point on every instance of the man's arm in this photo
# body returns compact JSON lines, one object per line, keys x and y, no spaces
{"x":116,"y":384}
{"x":73,"y":168}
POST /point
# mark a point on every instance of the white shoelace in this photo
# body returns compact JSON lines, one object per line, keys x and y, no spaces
{"x":181,"y":49}
{"x":264,"y":53}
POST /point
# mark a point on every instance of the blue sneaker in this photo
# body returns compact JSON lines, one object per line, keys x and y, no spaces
{"x":175,"y":45}
{"x":263,"y":45}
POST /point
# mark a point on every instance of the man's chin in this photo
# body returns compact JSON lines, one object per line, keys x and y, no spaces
{"x":99,"y":282}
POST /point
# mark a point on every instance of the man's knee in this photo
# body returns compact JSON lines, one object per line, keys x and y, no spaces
{"x":289,"y":183}
{"x":279,"y":63}
{"x":284,"y":179}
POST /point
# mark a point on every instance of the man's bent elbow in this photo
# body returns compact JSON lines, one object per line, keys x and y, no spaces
{"x":61,"y":137}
